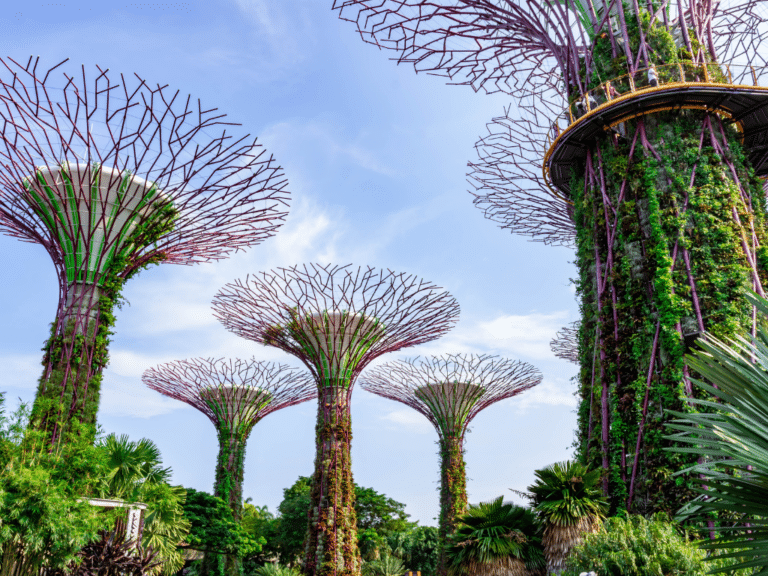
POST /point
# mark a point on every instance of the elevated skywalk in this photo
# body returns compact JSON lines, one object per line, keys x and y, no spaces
{"x":731,"y":91}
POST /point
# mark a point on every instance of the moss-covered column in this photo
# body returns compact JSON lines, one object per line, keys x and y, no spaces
{"x":671,"y":233}
{"x":228,"y":486}
{"x":75,"y":357}
{"x":331,"y":547}
{"x":453,"y":490}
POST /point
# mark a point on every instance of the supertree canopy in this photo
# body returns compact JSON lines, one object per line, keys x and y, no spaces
{"x":637,"y":134}
{"x":335,"y":319}
{"x":450,"y":391}
{"x":110,"y":175}
{"x":234,"y":395}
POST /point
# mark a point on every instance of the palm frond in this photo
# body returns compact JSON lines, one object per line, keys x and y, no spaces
{"x":732,"y":437}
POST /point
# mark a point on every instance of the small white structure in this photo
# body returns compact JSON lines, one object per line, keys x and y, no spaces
{"x":235,"y":404}
{"x":92,"y":210}
{"x":450,"y":402}
{"x":339,"y":338}
{"x":134,"y":524}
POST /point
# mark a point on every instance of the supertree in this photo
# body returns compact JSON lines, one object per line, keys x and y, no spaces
{"x":235,"y":395}
{"x":111,"y":175}
{"x":565,"y":344}
{"x":637,"y":134}
{"x":450,"y":391}
{"x":335,"y":319}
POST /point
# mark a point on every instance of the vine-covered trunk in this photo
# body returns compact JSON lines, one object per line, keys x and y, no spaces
{"x":331,"y":546}
{"x":453,"y":491}
{"x":671,"y":234}
{"x":75,"y":356}
{"x":228,"y":486}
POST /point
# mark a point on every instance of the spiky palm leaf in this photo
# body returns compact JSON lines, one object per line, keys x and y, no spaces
{"x":567,"y":498}
{"x":733,"y":437}
{"x":494,"y":538}
{"x":387,"y":565}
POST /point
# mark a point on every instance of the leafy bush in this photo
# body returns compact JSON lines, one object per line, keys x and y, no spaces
{"x":44,"y":517}
{"x":636,"y":547}
{"x":270,"y":569}
{"x":493,"y":537}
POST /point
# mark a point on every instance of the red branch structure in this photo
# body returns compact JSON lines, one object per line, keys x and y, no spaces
{"x":111,"y":174}
{"x":235,"y":395}
{"x":450,"y":391}
{"x":637,"y":135}
{"x":565,"y":344}
{"x":336,"y":320}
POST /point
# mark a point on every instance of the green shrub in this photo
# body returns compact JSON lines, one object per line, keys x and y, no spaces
{"x":637,"y":547}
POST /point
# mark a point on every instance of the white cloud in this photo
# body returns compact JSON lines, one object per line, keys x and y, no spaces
{"x":121,"y":397}
{"x":20,"y":371}
{"x":409,"y":420}
{"x":289,"y":138}
{"x":528,"y":334}
{"x":551,"y":392}
{"x":525,"y":336}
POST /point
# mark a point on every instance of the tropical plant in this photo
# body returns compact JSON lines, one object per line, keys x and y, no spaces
{"x":270,"y":569}
{"x":635,"y":546}
{"x":135,"y":474}
{"x":494,"y":539}
{"x":386,"y":565}
{"x":45,"y":518}
{"x":568,"y":500}
{"x":732,"y":436}
{"x":111,"y":555}
{"x":214,"y":531}
{"x":419,"y":549}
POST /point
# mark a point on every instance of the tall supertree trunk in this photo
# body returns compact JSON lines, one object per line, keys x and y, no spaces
{"x":453,"y":491}
{"x":75,"y":357}
{"x":671,"y":223}
{"x":331,"y":546}
{"x":228,"y":486}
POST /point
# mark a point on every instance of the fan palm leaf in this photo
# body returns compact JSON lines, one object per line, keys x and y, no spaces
{"x":567,"y":498}
{"x":732,"y":436}
{"x":494,"y":538}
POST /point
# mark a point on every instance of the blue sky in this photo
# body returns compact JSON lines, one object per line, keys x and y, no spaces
{"x":375,"y":156}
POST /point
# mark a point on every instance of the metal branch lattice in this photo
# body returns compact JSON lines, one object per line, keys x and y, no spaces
{"x":136,"y":145}
{"x":110,"y":174}
{"x":450,"y":390}
{"x":336,"y":319}
{"x":565,"y":344}
{"x":542,"y":54}
{"x":232,"y":393}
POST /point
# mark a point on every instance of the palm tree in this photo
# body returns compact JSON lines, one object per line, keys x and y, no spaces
{"x":494,"y":539}
{"x":732,"y":434}
{"x":568,"y":500}
{"x":386,"y":565}
{"x":136,"y":475}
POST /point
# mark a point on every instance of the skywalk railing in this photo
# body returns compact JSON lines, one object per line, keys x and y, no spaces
{"x":651,"y":79}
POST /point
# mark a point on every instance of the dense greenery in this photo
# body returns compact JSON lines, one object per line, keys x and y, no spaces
{"x":135,"y":474}
{"x":636,"y":546}
{"x":384,"y":530}
{"x":733,"y":436}
{"x":44,"y":517}
{"x":213,"y":530}
{"x":493,"y":537}
{"x":664,"y":211}
{"x":568,"y":501}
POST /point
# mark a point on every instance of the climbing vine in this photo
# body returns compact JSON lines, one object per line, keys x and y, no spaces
{"x":453,"y":490}
{"x":76,"y":352}
{"x":670,"y":234}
